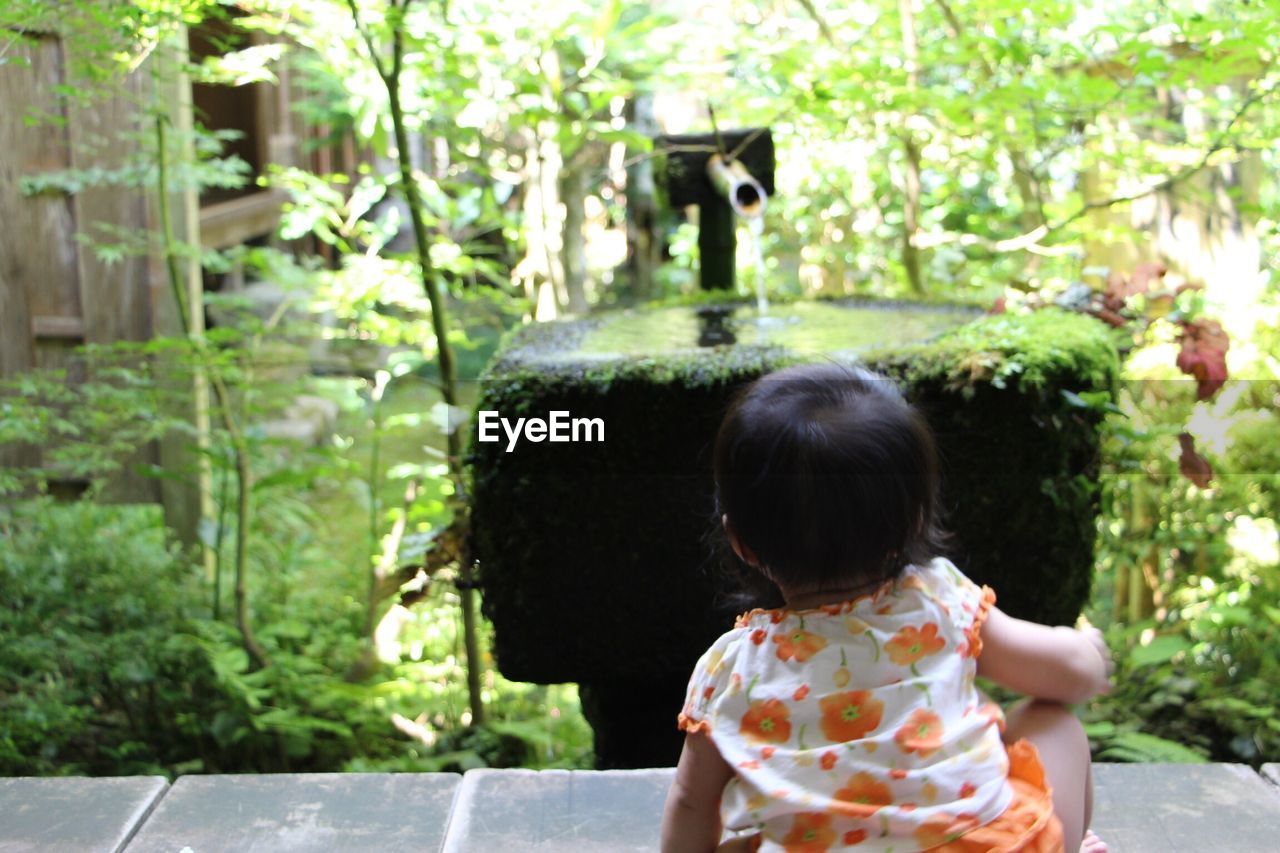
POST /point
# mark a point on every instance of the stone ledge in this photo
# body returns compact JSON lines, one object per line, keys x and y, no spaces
{"x":500,"y":811}
{"x":301,"y":812}
{"x":1271,"y":772}
{"x":75,"y":813}
{"x":1180,"y":808}
{"x":1140,"y":808}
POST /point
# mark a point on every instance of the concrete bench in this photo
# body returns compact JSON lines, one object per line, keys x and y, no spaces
{"x":1140,"y":808}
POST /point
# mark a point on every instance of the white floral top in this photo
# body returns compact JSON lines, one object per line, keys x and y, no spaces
{"x":857,"y":724}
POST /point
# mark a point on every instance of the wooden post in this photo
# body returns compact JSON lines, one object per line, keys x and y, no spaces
{"x":717,"y":244}
{"x":186,"y":501}
{"x":687,"y":183}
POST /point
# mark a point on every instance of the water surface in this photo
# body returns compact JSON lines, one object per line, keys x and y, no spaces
{"x":811,"y":328}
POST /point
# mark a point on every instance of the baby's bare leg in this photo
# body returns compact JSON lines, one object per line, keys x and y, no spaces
{"x":1064,"y":751}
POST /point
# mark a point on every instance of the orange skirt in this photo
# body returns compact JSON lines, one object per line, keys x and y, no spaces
{"x":1029,"y":824}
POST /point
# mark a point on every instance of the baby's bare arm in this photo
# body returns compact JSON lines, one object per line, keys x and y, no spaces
{"x":1058,"y":663}
{"x":691,"y":820}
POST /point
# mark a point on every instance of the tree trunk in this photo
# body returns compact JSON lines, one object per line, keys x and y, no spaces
{"x":573,"y":245}
{"x":911,"y":188}
{"x":644,"y":243}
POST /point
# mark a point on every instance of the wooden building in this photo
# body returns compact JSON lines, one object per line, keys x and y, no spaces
{"x":56,"y":292}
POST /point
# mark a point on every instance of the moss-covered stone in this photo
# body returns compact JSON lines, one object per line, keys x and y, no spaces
{"x":595,"y":560}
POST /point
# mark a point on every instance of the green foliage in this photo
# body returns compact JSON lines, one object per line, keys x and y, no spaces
{"x":93,"y":677}
{"x":1020,"y":351}
{"x":108,"y":666}
{"x":86,"y":430}
{"x":1008,"y":106}
{"x":1197,"y":660}
{"x":1113,"y":744}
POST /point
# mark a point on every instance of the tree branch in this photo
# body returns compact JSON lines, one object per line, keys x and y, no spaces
{"x":1030,"y":240}
{"x":812,"y":12}
{"x":367,"y":38}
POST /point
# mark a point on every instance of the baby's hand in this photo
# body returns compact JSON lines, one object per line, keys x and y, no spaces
{"x":1106,"y":665}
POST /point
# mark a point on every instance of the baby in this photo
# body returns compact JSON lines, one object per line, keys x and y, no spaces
{"x":849,"y":718}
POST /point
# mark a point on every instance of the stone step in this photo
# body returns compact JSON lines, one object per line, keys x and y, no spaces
{"x":502,"y":811}
{"x":1139,"y":808}
{"x":1271,"y":772}
{"x":74,"y":814}
{"x":1181,"y":808}
{"x":292,"y":813}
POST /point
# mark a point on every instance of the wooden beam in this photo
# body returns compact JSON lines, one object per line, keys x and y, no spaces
{"x":64,"y":328}
{"x":230,"y":223}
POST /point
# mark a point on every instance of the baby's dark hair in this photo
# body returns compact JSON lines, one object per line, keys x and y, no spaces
{"x":829,"y":477}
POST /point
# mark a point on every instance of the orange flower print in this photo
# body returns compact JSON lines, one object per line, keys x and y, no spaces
{"x":854,"y":836}
{"x":811,"y":832}
{"x":828,"y":760}
{"x":897,"y":773}
{"x":758,"y":635}
{"x":801,"y":692}
{"x":798,"y":644}
{"x":943,"y":829}
{"x":862,"y":796}
{"x":767,"y":752}
{"x":967,"y":790}
{"x":849,"y":715}
{"x":911,"y":643}
{"x":766,"y":722}
{"x":922,"y":733}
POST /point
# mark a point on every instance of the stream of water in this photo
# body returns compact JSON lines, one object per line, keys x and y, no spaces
{"x":755,"y":228}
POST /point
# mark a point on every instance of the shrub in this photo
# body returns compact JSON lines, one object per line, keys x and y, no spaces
{"x":91,"y":680}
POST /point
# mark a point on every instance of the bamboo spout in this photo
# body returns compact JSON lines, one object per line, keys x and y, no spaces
{"x":732,"y":181}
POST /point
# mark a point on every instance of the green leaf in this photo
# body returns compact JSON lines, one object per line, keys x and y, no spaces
{"x":1159,"y":650}
{"x":1140,"y":747}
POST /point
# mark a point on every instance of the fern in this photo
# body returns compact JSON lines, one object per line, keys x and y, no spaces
{"x":1142,"y":748}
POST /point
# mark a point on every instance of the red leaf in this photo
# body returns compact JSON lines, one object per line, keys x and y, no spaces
{"x":1192,"y":465}
{"x":1114,"y":294}
{"x":1204,"y":355}
{"x":998,"y":307}
{"x":1144,"y":275}
{"x":1120,"y":286}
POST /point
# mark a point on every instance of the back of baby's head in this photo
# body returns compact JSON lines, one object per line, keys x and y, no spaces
{"x":829,"y":477}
